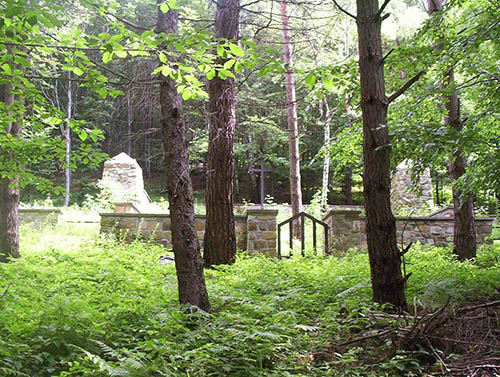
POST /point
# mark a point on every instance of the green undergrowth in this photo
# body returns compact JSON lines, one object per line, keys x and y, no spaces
{"x":77,"y":304}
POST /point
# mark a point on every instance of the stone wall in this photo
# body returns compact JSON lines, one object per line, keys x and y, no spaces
{"x":348,"y":229}
{"x":39,"y":216}
{"x":255,"y":231}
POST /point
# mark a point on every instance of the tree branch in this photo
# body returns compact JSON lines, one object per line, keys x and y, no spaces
{"x":405,"y":87}
{"x":382,"y":7}
{"x":343,"y":10}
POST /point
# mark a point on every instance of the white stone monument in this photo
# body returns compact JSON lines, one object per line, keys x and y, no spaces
{"x":122,"y":178}
{"x":415,"y":197}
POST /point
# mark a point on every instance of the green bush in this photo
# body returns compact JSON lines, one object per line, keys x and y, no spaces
{"x":77,"y":304}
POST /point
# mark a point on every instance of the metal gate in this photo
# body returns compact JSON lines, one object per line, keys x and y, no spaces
{"x":302,"y":217}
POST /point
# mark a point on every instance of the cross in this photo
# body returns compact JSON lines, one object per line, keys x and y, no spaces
{"x":262,"y":170}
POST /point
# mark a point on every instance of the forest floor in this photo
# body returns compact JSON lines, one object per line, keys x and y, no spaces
{"x":79,"y":304}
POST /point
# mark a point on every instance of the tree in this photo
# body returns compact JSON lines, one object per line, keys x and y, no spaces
{"x":9,"y":186}
{"x":220,"y":237}
{"x":188,"y":262}
{"x":385,"y":258}
{"x":464,"y":233}
{"x":293,"y":135}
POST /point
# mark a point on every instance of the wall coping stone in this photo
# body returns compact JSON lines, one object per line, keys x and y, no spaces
{"x":41,"y":210}
{"x":153,"y":215}
{"x":262,"y":211}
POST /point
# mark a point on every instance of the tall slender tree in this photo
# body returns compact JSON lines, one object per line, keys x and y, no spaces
{"x":464,"y":233}
{"x":220,"y":237}
{"x":188,"y":262}
{"x":291,"y":109}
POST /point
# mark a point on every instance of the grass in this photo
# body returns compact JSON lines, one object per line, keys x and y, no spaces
{"x":77,"y":304}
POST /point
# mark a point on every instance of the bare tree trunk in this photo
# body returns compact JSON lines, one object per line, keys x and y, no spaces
{"x":129,"y":122}
{"x":464,"y":233}
{"x":9,"y":192}
{"x":188,"y":262}
{"x":293,"y":136}
{"x":67,"y":138}
{"x":326,"y":158}
{"x":220,"y":237}
{"x":385,"y":259}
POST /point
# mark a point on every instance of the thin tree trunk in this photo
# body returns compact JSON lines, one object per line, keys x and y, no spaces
{"x":326,"y":158}
{"x":188,"y":262}
{"x":385,"y":259}
{"x":220,"y":237}
{"x":129,"y":123}
{"x":464,"y":233}
{"x":293,"y":136}
{"x":9,"y":192}
{"x":67,"y":138}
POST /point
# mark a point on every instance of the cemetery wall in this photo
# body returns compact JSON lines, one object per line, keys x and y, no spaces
{"x":255,"y":231}
{"x":39,"y":215}
{"x":348,"y":229}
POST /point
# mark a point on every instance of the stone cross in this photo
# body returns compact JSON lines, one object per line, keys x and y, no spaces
{"x":262,"y":171}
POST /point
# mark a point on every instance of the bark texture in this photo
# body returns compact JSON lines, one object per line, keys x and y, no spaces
{"x":385,"y":259}
{"x":220,"y":237}
{"x":9,"y":192}
{"x":188,"y":262}
{"x":293,"y":134}
{"x":464,"y":233}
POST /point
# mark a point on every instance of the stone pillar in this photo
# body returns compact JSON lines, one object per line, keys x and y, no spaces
{"x":122,"y":177}
{"x":346,"y":227}
{"x":261,"y":225}
{"x":408,"y":195}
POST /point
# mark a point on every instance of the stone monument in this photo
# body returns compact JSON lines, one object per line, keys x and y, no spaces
{"x":123,"y":181}
{"x":406,"y":194}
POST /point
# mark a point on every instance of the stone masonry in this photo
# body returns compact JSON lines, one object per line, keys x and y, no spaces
{"x":348,"y":229}
{"x":262,"y":231}
{"x":255,"y":231}
{"x":405,"y":194}
{"x":122,"y":177}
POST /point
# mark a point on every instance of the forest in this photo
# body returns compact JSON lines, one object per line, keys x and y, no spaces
{"x":231,"y":106}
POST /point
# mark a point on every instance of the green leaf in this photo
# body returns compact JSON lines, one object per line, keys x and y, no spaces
{"x":166,"y":70}
{"x":164,"y":7}
{"x":77,"y":71}
{"x":327,"y":82}
{"x":103,"y":92}
{"x":236,"y":50}
{"x":211,"y":74}
{"x":311,"y":80}
{"x":221,"y":51}
{"x":121,"y":53}
{"x":229,"y":64}
{"x":238,"y":68}
{"x":186,"y":94}
{"x":107,"y":56}
{"x":173,"y":4}
{"x":82,"y":135}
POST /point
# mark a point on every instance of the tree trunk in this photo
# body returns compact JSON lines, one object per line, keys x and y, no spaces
{"x":464,"y":233}
{"x":326,"y":158}
{"x":347,"y":185}
{"x":9,"y":192}
{"x":385,"y":259}
{"x":188,"y":262}
{"x":220,"y":238}
{"x":293,"y":136}
{"x":67,"y":139}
